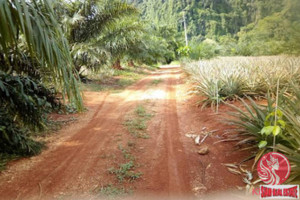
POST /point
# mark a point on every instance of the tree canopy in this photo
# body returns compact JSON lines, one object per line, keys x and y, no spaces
{"x":239,"y":27}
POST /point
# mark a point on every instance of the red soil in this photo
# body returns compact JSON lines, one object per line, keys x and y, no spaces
{"x":76,"y":162}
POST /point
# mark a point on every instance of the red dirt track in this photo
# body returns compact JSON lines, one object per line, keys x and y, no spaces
{"x":76,"y":161}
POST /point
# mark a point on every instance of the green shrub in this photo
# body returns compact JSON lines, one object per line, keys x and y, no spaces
{"x":15,"y":139}
{"x":204,"y":50}
{"x":24,"y":104}
{"x":125,"y":172}
{"x":184,"y":51}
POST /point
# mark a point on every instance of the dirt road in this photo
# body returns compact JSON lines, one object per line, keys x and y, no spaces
{"x":76,"y":162}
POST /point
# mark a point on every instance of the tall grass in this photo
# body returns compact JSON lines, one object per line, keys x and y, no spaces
{"x":227,"y":78}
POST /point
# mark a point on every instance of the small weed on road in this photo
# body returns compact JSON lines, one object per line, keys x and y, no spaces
{"x":126,"y":154}
{"x":125,"y":172}
{"x":113,"y":192}
{"x":156,"y":81}
{"x":126,"y":168}
{"x":137,"y":124}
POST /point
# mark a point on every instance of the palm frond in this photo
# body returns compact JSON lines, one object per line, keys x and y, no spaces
{"x":35,"y":22}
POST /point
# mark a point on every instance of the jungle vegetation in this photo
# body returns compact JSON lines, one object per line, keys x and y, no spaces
{"x":226,"y":27}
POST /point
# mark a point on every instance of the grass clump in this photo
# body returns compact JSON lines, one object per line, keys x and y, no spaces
{"x":93,"y":86}
{"x":110,"y":84}
{"x":131,"y":144}
{"x":124,"y":82}
{"x":111,"y":191}
{"x":137,"y":124}
{"x":156,"y":81}
{"x":125,"y":172}
{"x":126,"y":153}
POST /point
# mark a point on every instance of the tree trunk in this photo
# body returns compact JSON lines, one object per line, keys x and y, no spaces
{"x":131,"y":64}
{"x":117,"y":65}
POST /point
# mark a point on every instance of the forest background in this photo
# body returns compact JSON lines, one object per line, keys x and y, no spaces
{"x":226,"y":27}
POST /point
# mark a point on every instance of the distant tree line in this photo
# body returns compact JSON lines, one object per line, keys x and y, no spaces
{"x":228,"y":27}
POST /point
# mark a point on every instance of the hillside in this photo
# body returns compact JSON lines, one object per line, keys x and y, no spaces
{"x":235,"y":26}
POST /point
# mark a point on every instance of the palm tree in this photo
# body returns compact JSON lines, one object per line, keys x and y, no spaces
{"x":33,"y":53}
{"x":29,"y":32}
{"x":126,"y":36}
{"x":90,"y":26}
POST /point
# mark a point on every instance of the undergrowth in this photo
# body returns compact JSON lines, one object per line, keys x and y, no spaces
{"x":5,"y":158}
{"x":24,"y":107}
{"x":24,"y":103}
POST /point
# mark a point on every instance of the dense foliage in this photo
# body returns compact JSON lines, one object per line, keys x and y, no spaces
{"x":23,"y":107}
{"x":236,"y":27}
{"x":33,"y":53}
{"x":44,"y":47}
{"x":31,"y":42}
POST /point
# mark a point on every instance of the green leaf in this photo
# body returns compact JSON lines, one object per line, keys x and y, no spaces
{"x":267,"y":130}
{"x":276,"y":130}
{"x":35,"y":22}
{"x":262,"y":144}
{"x":279,"y":113}
{"x":269,"y":116}
{"x":282,"y":123}
{"x":267,"y":123}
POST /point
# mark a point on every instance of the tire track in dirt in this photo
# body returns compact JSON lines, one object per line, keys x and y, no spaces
{"x":168,"y":160}
{"x":60,"y":168}
{"x":173,"y":166}
{"x":167,"y":170}
{"x":178,"y":179}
